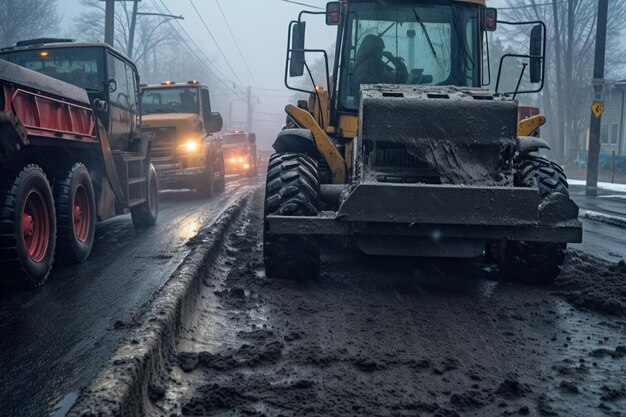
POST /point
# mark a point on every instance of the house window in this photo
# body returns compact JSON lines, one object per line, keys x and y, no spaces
{"x":604,"y":134}
{"x":614,"y":133}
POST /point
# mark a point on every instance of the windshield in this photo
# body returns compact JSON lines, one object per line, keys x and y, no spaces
{"x":170,"y":100}
{"x":233,"y":139}
{"x":83,"y":67}
{"x":402,"y":44}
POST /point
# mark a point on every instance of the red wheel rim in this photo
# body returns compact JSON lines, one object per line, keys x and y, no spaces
{"x":81,"y":213}
{"x":36,"y":225}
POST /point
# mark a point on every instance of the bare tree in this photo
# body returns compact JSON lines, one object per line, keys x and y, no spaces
{"x":571,"y":30}
{"x":23,"y":19}
{"x":150,"y":32}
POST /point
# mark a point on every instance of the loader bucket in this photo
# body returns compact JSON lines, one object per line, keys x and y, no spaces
{"x":436,"y":135}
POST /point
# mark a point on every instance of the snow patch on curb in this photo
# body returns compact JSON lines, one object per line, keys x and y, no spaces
{"x":603,"y":217}
{"x":619,"y":188}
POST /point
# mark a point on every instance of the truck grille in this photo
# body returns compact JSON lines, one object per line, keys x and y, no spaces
{"x":164,"y":143}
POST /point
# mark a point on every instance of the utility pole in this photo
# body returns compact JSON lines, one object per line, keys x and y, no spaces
{"x":249,"y":121}
{"x":597,"y":108}
{"x":109,"y":22}
{"x":131,"y":34}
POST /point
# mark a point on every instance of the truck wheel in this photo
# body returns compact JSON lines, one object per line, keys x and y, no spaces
{"x":27,"y":226}
{"x":535,"y":262}
{"x":292,"y":189}
{"x":76,"y":214}
{"x":221,"y":182}
{"x":146,"y":213}
{"x":206,"y":181}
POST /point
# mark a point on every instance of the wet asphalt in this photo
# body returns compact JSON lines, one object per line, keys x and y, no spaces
{"x":53,"y":340}
{"x":600,"y":239}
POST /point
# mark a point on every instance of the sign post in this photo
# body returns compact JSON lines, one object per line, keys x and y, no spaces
{"x":597,"y":107}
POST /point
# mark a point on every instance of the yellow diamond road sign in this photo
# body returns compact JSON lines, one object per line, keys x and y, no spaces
{"x":597,"y":108}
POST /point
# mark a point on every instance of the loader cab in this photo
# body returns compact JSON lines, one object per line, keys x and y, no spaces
{"x":418,"y":44}
{"x":110,"y":79}
{"x":438,"y":42}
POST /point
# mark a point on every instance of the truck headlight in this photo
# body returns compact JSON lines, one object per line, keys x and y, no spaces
{"x":246,"y":166}
{"x":190,"y":146}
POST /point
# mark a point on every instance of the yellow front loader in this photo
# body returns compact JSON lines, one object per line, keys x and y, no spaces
{"x":405,"y":152}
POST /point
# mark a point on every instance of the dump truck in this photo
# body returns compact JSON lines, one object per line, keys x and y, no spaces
{"x":185,"y":151}
{"x":402,"y":151}
{"x":240,"y":153}
{"x":71,"y":153}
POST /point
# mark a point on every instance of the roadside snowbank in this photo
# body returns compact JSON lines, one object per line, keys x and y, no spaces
{"x":602,"y":217}
{"x":619,"y":188}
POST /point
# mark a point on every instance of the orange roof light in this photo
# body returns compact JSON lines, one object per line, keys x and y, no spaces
{"x":43,"y":53}
{"x":193,"y":82}
{"x":168,"y":82}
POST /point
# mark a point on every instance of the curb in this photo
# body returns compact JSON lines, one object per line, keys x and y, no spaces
{"x":603,"y":218}
{"x":123,"y":385}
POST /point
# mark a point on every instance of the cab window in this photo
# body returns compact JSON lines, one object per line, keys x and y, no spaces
{"x":124,"y":95}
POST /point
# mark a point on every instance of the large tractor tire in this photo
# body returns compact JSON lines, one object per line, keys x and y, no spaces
{"x":76,"y":214}
{"x":292,"y":189}
{"x":27,"y":226}
{"x":146,"y":213}
{"x":536,"y":263}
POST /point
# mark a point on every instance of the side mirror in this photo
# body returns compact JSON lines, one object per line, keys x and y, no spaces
{"x":491,"y":19}
{"x":296,"y":62}
{"x":252,"y":138}
{"x":536,"y":56}
{"x":333,"y":13}
{"x":213,"y":122}
{"x":112,"y":85}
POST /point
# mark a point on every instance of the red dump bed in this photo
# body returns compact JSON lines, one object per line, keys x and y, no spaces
{"x":43,"y":107}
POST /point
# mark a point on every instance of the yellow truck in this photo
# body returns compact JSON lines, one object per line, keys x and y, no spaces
{"x":185,"y":151}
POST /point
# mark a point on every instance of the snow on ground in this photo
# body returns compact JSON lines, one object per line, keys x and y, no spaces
{"x":602,"y":217}
{"x":619,"y":188}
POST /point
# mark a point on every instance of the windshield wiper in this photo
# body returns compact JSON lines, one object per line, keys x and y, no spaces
{"x":457,"y":30}
{"x":430,"y":42}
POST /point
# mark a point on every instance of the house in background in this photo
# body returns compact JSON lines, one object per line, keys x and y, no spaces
{"x":613,"y":129}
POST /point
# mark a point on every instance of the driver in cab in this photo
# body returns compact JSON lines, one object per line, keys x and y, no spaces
{"x":370,"y":67}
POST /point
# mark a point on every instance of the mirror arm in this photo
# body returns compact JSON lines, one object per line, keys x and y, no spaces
{"x":519,"y":80}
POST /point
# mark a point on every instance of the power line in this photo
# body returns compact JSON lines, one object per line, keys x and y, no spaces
{"x":243,"y":58}
{"x":202,"y":62}
{"x":215,"y":41}
{"x":528,"y":6}
{"x":284,"y":90}
{"x":303,"y":4}
{"x":215,"y":69}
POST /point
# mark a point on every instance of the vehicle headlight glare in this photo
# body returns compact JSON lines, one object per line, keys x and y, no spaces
{"x":191,"y":146}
